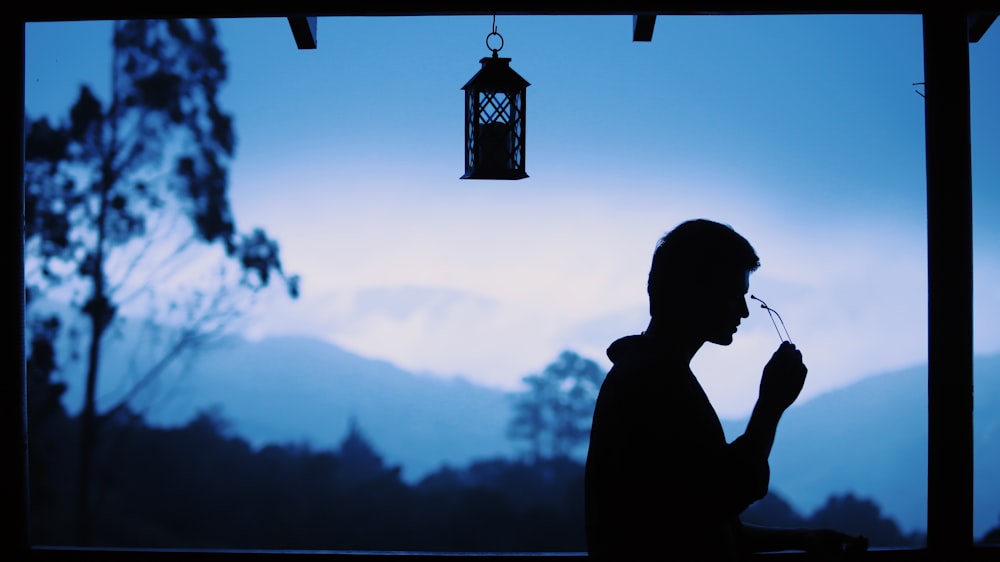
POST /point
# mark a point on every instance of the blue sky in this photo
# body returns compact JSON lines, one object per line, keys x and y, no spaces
{"x":804,"y":133}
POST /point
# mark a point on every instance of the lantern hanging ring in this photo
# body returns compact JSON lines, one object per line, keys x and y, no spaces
{"x":492,"y":34}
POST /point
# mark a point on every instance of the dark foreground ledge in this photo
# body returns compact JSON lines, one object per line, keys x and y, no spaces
{"x":47,"y":554}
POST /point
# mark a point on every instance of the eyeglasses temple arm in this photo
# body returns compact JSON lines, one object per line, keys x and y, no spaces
{"x":771,"y":314}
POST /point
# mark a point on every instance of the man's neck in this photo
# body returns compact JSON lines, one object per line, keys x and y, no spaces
{"x":673,"y":340}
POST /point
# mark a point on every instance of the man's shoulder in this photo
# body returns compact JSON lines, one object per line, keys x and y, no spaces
{"x":639,"y":372}
{"x":630,"y":351}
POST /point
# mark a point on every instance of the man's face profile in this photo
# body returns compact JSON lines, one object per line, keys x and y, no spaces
{"x":725,"y":306}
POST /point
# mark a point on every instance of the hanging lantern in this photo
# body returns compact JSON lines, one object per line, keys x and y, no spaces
{"x":494,"y":118}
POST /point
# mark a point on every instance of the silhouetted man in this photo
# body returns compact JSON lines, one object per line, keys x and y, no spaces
{"x":661,"y":479}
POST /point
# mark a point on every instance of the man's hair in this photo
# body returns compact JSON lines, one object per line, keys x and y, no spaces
{"x":694,"y":257}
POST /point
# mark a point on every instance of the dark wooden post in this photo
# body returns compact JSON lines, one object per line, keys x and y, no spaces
{"x":15,"y":487}
{"x":949,"y":281}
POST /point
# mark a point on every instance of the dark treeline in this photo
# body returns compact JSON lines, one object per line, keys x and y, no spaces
{"x":198,"y":487}
{"x":195,"y":487}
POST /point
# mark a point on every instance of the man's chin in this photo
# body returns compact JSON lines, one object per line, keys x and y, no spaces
{"x":722,"y":339}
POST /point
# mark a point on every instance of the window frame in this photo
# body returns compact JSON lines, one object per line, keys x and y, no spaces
{"x":947,"y":32}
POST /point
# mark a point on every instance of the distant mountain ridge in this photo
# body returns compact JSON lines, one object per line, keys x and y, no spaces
{"x":869,"y":439}
{"x":299,"y":390}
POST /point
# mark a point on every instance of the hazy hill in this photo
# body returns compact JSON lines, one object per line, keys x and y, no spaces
{"x":869,"y":438}
{"x":282,"y":390}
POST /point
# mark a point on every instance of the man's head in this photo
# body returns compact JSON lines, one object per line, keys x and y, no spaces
{"x":700,"y":271}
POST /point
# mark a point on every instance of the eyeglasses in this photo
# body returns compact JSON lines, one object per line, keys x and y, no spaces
{"x":772,"y":313}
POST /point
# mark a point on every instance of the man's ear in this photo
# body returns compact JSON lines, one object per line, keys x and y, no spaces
{"x":678,"y":302}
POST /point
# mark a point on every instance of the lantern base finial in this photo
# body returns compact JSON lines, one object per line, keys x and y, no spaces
{"x":505,"y":175}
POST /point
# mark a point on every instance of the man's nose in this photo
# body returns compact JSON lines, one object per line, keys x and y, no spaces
{"x":744,"y":309}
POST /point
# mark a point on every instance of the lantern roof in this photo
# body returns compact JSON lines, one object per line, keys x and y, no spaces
{"x":496,"y":74}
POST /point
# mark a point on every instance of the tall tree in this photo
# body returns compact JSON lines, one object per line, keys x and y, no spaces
{"x":113,"y":181}
{"x":553,"y":414}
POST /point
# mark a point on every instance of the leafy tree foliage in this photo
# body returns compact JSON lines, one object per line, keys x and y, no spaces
{"x":847,"y":513}
{"x":862,"y":516}
{"x":554,"y":414}
{"x":115,"y":179}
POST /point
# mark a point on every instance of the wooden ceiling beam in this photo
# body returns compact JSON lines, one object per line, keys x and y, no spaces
{"x":979,"y":24}
{"x":642,"y":27}
{"x":315,"y":8}
{"x":304,"y":31}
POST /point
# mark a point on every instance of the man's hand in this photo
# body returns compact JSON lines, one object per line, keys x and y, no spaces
{"x":783,"y":378}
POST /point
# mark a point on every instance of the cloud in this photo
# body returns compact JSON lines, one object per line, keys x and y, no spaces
{"x":426,"y":329}
{"x":481,"y":284}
